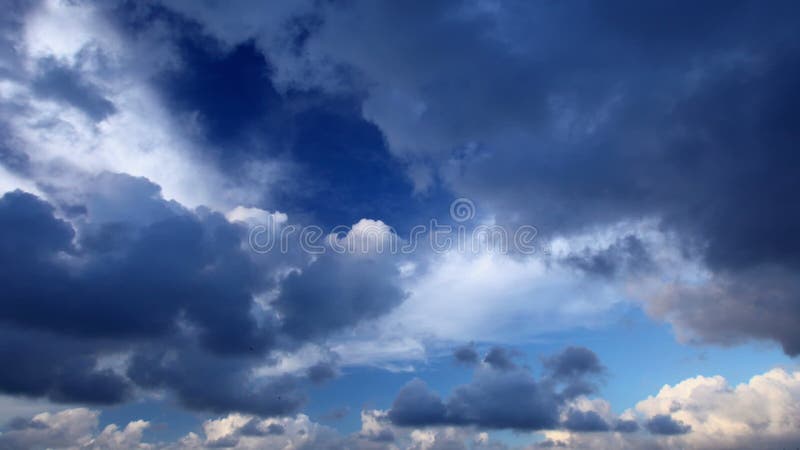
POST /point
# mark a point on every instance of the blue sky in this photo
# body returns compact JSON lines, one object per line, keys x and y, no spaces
{"x":463,"y":224}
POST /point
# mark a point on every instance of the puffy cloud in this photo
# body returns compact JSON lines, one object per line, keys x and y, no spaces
{"x":499,"y":358}
{"x":336,"y":291}
{"x":499,"y":396}
{"x":169,"y":293}
{"x":73,"y":429}
{"x":586,"y":421}
{"x":466,"y":354}
{"x":665,"y":424}
{"x":729,"y":307}
{"x":701,"y":413}
{"x":707,"y":413}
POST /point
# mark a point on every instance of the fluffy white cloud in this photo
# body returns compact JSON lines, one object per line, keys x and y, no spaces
{"x":761,"y":413}
{"x":72,"y":429}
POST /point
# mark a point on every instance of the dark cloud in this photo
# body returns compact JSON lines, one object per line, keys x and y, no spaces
{"x":174,"y":291}
{"x":586,"y":421}
{"x":628,"y":116}
{"x":626,"y":426}
{"x":337,"y":291}
{"x":735,"y":306}
{"x":243,"y":118}
{"x":255,"y":428}
{"x":499,"y":358}
{"x":666,"y":425}
{"x":417,"y":405}
{"x":43,"y":364}
{"x":466,"y":354}
{"x":321,"y":372}
{"x":626,"y":254}
{"x":62,"y":83}
{"x":182,"y":265}
{"x":22,"y":423}
{"x":188,"y":373}
{"x":572,"y":363}
{"x":502,"y":398}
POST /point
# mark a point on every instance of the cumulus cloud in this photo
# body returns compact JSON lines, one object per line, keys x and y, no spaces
{"x":701,"y":413}
{"x":501,"y":395}
{"x":466,"y":354}
{"x":73,"y":429}
{"x":707,"y":413}
{"x":657,"y":163}
{"x":184,"y":307}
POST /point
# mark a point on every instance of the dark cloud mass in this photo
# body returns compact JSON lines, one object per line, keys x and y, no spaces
{"x":502,"y":397}
{"x":666,"y":425}
{"x":679,"y":112}
{"x":64,"y":84}
{"x":655,"y":143}
{"x":499,"y":358}
{"x":173,"y":290}
{"x":586,"y":421}
{"x":365,"y":289}
{"x":466,"y":354}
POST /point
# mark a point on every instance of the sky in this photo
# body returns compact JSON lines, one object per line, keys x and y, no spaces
{"x":356,"y":224}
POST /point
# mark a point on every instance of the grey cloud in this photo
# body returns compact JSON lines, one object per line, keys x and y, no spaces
{"x":321,"y":372}
{"x":466,"y":354}
{"x":586,"y":421}
{"x":626,"y":426}
{"x":626,"y":116}
{"x":64,"y":84}
{"x":182,"y":288}
{"x":499,"y":358}
{"x":572,"y":362}
{"x":666,"y":425}
{"x":337,"y":291}
{"x":733,"y":307}
{"x":417,"y":405}
{"x":626,"y":254}
{"x":502,"y":398}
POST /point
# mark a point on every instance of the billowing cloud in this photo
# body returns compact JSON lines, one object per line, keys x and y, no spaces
{"x":501,"y":395}
{"x":653,"y":148}
{"x":72,"y":429}
{"x":170,"y":295}
{"x":619,"y":119}
{"x":707,"y":413}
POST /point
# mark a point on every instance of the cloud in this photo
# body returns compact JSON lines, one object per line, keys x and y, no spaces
{"x":730,"y":307}
{"x":620,"y":119}
{"x":700,"y":413}
{"x":586,"y":421}
{"x":321,"y":372}
{"x":499,"y":358}
{"x":572,"y":362}
{"x":466,"y":355}
{"x":184,"y":307}
{"x":336,"y":291}
{"x":706,"y":413}
{"x":73,"y":428}
{"x":664,"y":424}
{"x":65,"y":97}
{"x":498,"y":397}
{"x":65,"y":84}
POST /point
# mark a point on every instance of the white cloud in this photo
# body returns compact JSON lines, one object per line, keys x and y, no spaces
{"x":482,"y":295}
{"x":62,"y":29}
{"x":73,"y":429}
{"x":761,"y":413}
